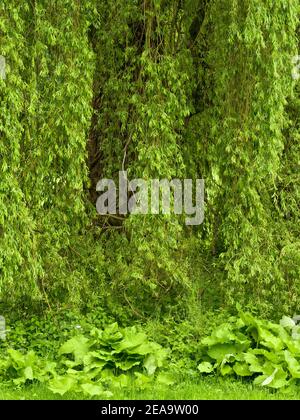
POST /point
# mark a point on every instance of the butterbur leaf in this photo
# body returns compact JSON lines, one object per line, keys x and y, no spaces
{"x":141,"y":350}
{"x":254,"y":346}
{"x":242,"y":369}
{"x":242,"y":339}
{"x":142,"y":380}
{"x":220,"y":335}
{"x":291,"y":387}
{"x":50,"y":367}
{"x":205,"y":367}
{"x":226,"y":370}
{"x":239,"y":323}
{"x":107,"y":374}
{"x":62,"y":384}
{"x":127,"y":364}
{"x":131,"y":341}
{"x":78,"y":346}
{"x":99,"y":365}
{"x":99,"y":354}
{"x":19,"y":381}
{"x":160,"y":354}
{"x":228,"y":358}
{"x":28,"y":373}
{"x":287,"y":322}
{"x":296,"y":333}
{"x":280,"y":381}
{"x":165,"y":379}
{"x":111,"y":335}
{"x":91,"y":362}
{"x":150,"y":364}
{"x":95,"y":389}
{"x":93,"y":373}
{"x":74,"y":372}
{"x":219,"y":351}
{"x":120,"y":381}
{"x":30,"y":358}
{"x":269,"y":355}
{"x":94,"y":356}
{"x":17,"y":358}
{"x":269,"y":340}
{"x":293,"y":364}
{"x":71,"y":363}
{"x":265,"y":380}
{"x":276,"y":380}
{"x":248,"y":319}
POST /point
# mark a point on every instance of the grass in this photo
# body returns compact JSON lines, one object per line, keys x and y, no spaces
{"x":204,"y":389}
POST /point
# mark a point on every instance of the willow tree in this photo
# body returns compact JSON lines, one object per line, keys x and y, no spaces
{"x":161,"y":89}
{"x":45,"y":113}
{"x":250,"y":47}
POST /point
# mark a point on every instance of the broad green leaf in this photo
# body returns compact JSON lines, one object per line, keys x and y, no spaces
{"x":269,"y":340}
{"x":287,"y":322}
{"x":142,"y":381}
{"x":269,"y":355}
{"x":132,"y":341}
{"x":62,"y":384}
{"x":248,"y":319}
{"x":97,"y":356}
{"x":91,"y":363}
{"x":120,"y":381}
{"x":92,"y":372}
{"x":226,"y":370}
{"x":165,"y":379}
{"x":277,"y":379}
{"x":50,"y":367}
{"x":219,"y":351}
{"x":205,"y":367}
{"x":293,"y":364}
{"x":242,"y":369}
{"x":28,"y":373}
{"x":267,"y":379}
{"x":111,"y":335}
{"x":17,"y":357}
{"x":150,"y":364}
{"x":78,"y":346}
{"x":253,"y":362}
{"x":127,"y":364}
{"x":93,"y":389}
{"x":296,"y":333}
{"x":20,"y":380}
{"x":222,"y":334}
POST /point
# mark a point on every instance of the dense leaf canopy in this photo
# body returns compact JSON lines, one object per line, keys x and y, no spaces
{"x":162,"y":89}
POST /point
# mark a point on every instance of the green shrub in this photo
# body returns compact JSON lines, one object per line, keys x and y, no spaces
{"x":249,"y":347}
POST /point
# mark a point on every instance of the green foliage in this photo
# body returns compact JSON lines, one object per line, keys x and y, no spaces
{"x":246,"y":346}
{"x":162,"y":89}
{"x":172,"y":89}
{"x":248,"y":47}
{"x":143,"y":89}
{"x":45,"y":334}
{"x":21,"y":368}
{"x":45,"y":115}
{"x":118,"y":349}
{"x":94,"y":364}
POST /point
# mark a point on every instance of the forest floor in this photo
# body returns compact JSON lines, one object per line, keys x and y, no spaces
{"x":204,"y":389}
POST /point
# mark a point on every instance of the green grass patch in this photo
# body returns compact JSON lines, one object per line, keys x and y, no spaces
{"x":203,"y":389}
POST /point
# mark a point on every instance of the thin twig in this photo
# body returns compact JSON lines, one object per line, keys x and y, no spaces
{"x":132,"y":308}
